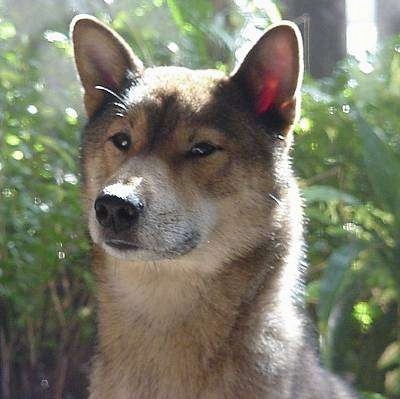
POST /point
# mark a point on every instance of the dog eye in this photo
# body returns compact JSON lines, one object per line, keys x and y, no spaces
{"x":122,"y":141}
{"x":202,"y":149}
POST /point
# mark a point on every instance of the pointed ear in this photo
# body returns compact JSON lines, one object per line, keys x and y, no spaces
{"x":102,"y":58}
{"x":272,"y":72}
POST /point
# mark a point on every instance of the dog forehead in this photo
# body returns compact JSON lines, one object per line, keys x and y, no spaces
{"x":188,"y":87}
{"x":169,"y":97}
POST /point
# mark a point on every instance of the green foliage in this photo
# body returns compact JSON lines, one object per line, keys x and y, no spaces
{"x":347,"y":155}
{"x":44,"y":262}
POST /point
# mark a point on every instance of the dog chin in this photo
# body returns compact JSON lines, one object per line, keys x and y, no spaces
{"x":130,"y":252}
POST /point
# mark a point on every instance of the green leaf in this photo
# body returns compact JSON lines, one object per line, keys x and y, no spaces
{"x":382,"y":166}
{"x":12,"y":140}
{"x":370,"y":395}
{"x":328,"y":194}
{"x":177,"y":15}
{"x":7,"y":30}
{"x":363,"y":313}
{"x":391,"y":356}
{"x":53,"y":144}
{"x":392,"y":382}
{"x":334,"y":279}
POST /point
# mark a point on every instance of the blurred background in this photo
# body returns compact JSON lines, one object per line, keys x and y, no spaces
{"x":347,"y":158}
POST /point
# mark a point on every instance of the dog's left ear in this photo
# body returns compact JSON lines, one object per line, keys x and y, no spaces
{"x":272,"y":73}
{"x":102,"y":58}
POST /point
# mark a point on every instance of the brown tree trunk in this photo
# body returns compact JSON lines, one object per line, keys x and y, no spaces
{"x":326,"y":38}
{"x":5,"y":355}
{"x":388,"y":18}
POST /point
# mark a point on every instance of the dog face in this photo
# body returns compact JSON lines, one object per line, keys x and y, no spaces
{"x":184,"y":163}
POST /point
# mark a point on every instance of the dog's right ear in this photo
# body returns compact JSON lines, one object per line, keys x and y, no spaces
{"x":102,"y":58}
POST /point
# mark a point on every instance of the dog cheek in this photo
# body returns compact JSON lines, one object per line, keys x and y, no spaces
{"x":205,"y":219}
{"x":94,"y":227}
{"x":178,"y":228}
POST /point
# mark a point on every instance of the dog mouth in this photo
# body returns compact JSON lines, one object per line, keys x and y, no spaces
{"x":122,"y":245}
{"x":127,"y":249}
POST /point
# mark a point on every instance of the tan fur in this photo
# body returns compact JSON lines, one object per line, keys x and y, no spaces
{"x":208,"y":303}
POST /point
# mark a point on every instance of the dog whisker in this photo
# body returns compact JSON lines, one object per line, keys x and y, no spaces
{"x":120,"y":105}
{"x":270,"y":195}
{"x":109,"y":91}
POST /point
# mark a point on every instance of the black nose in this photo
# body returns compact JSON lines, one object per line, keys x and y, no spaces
{"x":117,"y":213}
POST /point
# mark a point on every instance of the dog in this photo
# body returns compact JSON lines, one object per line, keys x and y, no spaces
{"x":196,"y":222}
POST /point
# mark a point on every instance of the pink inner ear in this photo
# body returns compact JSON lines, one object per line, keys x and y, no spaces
{"x":103,"y":69}
{"x":268,"y":93}
{"x":108,"y":79}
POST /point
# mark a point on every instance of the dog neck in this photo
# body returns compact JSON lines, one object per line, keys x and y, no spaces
{"x":169,"y":299}
{"x":196,"y":324}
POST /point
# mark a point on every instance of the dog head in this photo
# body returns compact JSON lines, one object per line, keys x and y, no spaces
{"x":179,"y":162}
